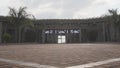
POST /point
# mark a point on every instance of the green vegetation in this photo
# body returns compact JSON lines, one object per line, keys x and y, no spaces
{"x":115,"y":19}
{"x":20,"y":19}
{"x":114,"y":16}
{"x":7,"y":37}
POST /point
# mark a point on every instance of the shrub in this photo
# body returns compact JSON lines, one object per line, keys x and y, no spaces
{"x":7,"y":37}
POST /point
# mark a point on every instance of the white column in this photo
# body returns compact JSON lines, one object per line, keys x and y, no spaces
{"x":43,"y":36}
{"x":0,"y":32}
{"x":80,"y":37}
{"x":103,"y":31}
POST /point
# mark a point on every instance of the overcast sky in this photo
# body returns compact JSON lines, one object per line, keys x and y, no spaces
{"x":43,"y":9}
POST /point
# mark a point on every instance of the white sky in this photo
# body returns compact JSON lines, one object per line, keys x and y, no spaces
{"x":43,"y":9}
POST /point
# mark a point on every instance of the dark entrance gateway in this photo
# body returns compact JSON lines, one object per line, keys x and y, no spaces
{"x":62,"y":36}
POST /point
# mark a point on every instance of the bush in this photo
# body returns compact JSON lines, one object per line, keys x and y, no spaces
{"x":7,"y":37}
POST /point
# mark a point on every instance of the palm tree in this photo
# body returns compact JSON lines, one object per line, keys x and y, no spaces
{"x":114,"y":16}
{"x":115,"y":22}
{"x":19,"y":18}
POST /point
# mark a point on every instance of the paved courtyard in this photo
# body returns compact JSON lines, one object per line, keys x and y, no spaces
{"x":60,"y":55}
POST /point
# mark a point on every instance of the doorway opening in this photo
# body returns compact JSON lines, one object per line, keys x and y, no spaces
{"x":61,"y":39}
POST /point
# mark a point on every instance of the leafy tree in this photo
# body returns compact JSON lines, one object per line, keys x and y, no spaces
{"x":114,"y":15}
{"x":115,"y":19}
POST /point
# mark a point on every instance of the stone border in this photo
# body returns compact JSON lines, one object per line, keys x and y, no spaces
{"x":95,"y":63}
{"x":36,"y":65}
{"x":30,"y":64}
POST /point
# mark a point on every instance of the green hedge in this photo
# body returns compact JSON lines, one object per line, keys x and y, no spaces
{"x":7,"y":37}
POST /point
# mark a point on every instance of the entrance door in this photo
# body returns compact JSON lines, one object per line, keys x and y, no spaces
{"x":61,"y":39}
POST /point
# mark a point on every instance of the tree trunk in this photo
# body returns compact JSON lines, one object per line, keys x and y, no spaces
{"x":18,"y":35}
{"x":117,"y":33}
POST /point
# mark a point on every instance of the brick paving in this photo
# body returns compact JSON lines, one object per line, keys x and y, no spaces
{"x":60,"y":55}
